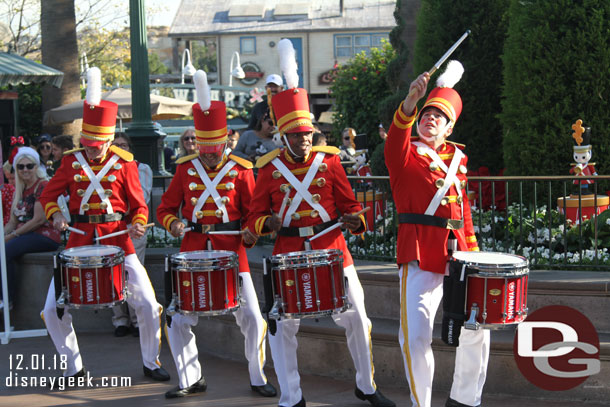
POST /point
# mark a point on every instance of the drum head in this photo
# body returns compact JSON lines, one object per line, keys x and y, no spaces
{"x":306,"y":258}
{"x":205,"y":260}
{"x":91,"y":251}
{"x":491,"y":261}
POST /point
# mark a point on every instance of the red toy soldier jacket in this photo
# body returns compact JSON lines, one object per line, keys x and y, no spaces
{"x":414,"y":179}
{"x":234,"y":187}
{"x":121,"y":193}
{"x":328,"y":190}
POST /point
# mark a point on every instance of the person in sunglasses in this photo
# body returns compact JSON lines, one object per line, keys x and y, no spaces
{"x":257,"y":142}
{"x":27,"y":230}
{"x":44,"y":150}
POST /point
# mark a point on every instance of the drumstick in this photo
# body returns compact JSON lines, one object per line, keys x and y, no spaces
{"x":224,"y":232}
{"x":284,"y":202}
{"x":75,"y":230}
{"x":325,"y":231}
{"x":360,"y":212}
{"x":122,"y":232}
{"x":186,"y":230}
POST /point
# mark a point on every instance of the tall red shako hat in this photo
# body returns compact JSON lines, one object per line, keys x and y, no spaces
{"x":291,"y":107}
{"x":210,"y":117}
{"x":444,"y":97}
{"x":99,"y":116}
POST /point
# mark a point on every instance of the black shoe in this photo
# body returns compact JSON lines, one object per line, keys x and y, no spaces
{"x":300,"y":403}
{"x":452,"y":403}
{"x":266,"y":390}
{"x":135,"y":331}
{"x":121,"y":331}
{"x":159,"y":374}
{"x":198,"y":387}
{"x":376,"y":399}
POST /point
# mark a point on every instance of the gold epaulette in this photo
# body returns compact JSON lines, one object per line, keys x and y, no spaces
{"x":125,"y":155}
{"x":266,"y":159}
{"x":186,"y":158}
{"x":74,"y":150}
{"x":326,"y":149}
{"x":241,"y":161}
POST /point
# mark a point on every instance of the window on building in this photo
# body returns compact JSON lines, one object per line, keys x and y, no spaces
{"x":247,"y":45}
{"x":348,"y":45}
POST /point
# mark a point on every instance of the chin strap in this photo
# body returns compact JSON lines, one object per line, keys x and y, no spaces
{"x":290,"y":149}
{"x":435,"y":138}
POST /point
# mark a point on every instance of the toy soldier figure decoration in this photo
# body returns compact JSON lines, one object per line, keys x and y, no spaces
{"x":582,"y":155}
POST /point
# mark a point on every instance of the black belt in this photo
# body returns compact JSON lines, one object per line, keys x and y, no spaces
{"x":100,"y":218}
{"x":429,"y":220}
{"x":306,"y":231}
{"x":224,"y":227}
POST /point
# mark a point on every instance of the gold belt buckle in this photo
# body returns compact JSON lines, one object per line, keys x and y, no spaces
{"x":205,"y":228}
{"x":95,"y":218}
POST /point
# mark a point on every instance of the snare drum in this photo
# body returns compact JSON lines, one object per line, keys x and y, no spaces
{"x":308,"y":284}
{"x":92,"y":276}
{"x":205,"y":282}
{"x":496,"y":289}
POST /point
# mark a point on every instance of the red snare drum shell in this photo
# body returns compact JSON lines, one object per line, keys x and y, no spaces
{"x":500,"y":302}
{"x":309,"y":283}
{"x":208,"y":290}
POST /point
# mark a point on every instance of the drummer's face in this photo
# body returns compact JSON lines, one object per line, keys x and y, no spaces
{"x":211,"y":159}
{"x":97,"y":152}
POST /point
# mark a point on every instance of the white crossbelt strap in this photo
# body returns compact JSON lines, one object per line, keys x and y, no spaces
{"x":95,"y":181}
{"x":450,"y":178}
{"x":302,"y":188}
{"x":210,"y":188}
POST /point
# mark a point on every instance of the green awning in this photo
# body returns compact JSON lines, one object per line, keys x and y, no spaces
{"x":15,"y":70}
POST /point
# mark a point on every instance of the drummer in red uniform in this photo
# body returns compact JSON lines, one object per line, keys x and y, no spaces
{"x":214,"y":191}
{"x":103,"y":184}
{"x":318,"y":190}
{"x":428,"y":180}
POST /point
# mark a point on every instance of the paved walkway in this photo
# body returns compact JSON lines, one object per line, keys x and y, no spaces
{"x":228,"y":386}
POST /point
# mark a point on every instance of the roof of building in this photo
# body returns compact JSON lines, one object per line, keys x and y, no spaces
{"x":213,"y":17}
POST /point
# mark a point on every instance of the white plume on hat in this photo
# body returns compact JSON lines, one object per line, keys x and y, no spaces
{"x":202,"y":88}
{"x":288,"y":63}
{"x":451,"y":76}
{"x":94,"y":86}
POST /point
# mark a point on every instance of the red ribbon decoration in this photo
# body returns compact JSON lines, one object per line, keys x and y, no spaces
{"x":15,"y":140}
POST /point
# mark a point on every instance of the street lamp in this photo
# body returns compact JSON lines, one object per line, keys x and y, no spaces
{"x":236,"y":72}
{"x":187,"y":69}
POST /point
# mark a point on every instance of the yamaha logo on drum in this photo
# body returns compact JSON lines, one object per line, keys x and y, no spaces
{"x":89,"y":286}
{"x":307,"y":290}
{"x":201,"y":279}
{"x":201,"y":292}
{"x":511,"y":300}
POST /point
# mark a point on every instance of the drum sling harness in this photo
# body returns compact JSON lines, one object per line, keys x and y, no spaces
{"x":210,"y":188}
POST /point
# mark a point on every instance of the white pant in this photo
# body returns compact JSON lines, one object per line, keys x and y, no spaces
{"x":420,"y":295}
{"x":357,"y":330}
{"x":141,"y":298}
{"x":249,"y":319}
{"x":124,"y":314}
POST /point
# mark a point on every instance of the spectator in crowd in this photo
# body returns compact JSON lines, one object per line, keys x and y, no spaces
{"x":274,"y":84}
{"x":319,"y":139}
{"x":44,"y":150}
{"x":8,"y":190}
{"x":258,"y":142}
{"x":187,"y":143}
{"x":232,"y":140}
{"x":123,"y":313}
{"x":59,"y":145}
{"x":27,"y":231}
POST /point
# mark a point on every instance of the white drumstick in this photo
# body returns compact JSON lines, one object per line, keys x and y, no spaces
{"x":284,"y":203}
{"x":325,"y":231}
{"x":122,"y":232}
{"x":225,"y":232}
{"x":187,"y":229}
{"x":75,"y":230}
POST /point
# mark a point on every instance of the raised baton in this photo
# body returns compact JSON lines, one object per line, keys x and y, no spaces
{"x":447,"y":54}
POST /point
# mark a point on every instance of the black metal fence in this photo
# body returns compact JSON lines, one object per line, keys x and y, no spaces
{"x":537,"y":217}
